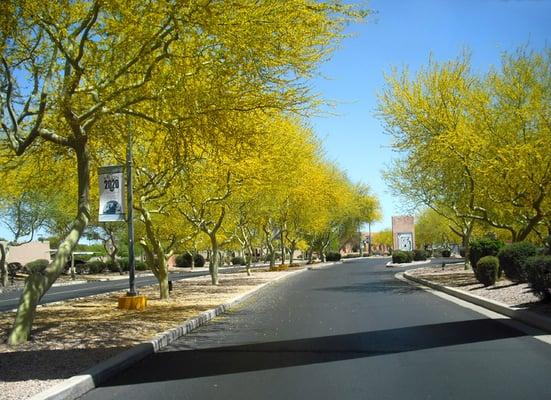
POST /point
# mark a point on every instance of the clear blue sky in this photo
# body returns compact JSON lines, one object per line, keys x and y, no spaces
{"x":405,"y":33}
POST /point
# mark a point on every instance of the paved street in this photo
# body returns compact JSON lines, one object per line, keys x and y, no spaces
{"x":351,"y":331}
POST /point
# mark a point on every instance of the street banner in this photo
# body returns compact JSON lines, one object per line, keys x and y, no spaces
{"x":111,"y":194}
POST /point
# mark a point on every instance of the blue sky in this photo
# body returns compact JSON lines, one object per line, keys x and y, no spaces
{"x":406,"y":33}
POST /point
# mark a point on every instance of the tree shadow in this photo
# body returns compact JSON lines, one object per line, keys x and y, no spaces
{"x":178,"y":362}
{"x":51,"y":364}
{"x":395,"y":287}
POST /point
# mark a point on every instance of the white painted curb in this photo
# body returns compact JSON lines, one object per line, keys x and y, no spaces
{"x":525,"y":316}
{"x":411,"y":264}
{"x":78,"y":385}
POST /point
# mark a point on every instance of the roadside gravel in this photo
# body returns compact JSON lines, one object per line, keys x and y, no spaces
{"x":514,"y":295}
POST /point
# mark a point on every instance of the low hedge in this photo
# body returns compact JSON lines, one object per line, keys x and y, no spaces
{"x":402,"y":257}
{"x":95,"y":267}
{"x":538,"y":274}
{"x":420,"y":255}
{"x":333,"y":256}
{"x":487,"y":270}
{"x":36,"y":266}
{"x":483,"y":247}
{"x":184,"y":260}
{"x":238,"y":261}
{"x":512,"y":258}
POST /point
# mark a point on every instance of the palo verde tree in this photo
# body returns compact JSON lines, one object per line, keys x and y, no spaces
{"x":474,"y":149}
{"x":66,"y":67}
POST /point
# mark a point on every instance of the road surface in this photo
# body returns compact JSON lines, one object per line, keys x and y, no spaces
{"x":351,"y":331}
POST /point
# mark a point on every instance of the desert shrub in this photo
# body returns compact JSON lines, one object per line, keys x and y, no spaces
{"x":446,"y":253}
{"x":141,"y":266}
{"x":36,"y":266}
{"x":538,"y":274}
{"x":113,"y":267}
{"x":199,"y":261}
{"x":420,"y":255}
{"x":401,"y":257}
{"x":238,"y":261}
{"x":333,"y":256}
{"x":184,"y":260}
{"x":487,"y":270}
{"x":483,"y":247}
{"x":96,"y":267}
{"x":512,"y":258}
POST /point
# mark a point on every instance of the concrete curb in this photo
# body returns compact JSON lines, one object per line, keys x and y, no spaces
{"x":526,"y":316}
{"x":390,"y":264}
{"x":78,"y":385}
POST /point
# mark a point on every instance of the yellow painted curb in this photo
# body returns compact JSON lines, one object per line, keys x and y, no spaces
{"x":133,"y":303}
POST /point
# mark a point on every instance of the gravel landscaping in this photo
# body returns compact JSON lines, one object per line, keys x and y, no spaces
{"x":514,"y":295}
{"x":72,"y":336}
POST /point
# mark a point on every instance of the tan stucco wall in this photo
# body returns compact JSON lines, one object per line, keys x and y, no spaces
{"x":29,"y":252}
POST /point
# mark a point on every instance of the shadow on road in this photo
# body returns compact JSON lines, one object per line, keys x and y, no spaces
{"x":180,"y":364}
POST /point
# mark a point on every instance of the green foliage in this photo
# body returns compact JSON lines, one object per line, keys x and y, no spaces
{"x":487,"y":270}
{"x":482,"y":247}
{"x":512,"y":258}
{"x":142,"y":266}
{"x":36,"y":266}
{"x":333,"y":256}
{"x":401,"y":257}
{"x":446,"y":253}
{"x":184,"y":260}
{"x":238,"y":261}
{"x":538,"y":274}
{"x":95,"y":267}
{"x":420,"y":255}
{"x":112,"y":267}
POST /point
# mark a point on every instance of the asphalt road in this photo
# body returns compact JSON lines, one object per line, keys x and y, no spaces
{"x":10,"y":300}
{"x":351,"y":331}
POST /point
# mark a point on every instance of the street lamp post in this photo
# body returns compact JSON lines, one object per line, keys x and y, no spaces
{"x":130,"y":217}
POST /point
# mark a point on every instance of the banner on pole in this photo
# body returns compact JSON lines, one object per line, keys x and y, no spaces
{"x":111,"y":194}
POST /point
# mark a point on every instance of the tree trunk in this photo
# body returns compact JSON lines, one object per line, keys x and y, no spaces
{"x":213,"y":264}
{"x":292,"y":252}
{"x":3,"y":266}
{"x":159,"y":264}
{"x":282,"y":248}
{"x":37,"y":284}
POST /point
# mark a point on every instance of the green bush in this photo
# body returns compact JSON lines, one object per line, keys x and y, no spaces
{"x":401,"y":257}
{"x":112,"y":267}
{"x":238,"y":261}
{"x":123,"y":261}
{"x":420,"y":255}
{"x":487,"y":270}
{"x":199,"y":261}
{"x":538,"y":274}
{"x":512,"y":258}
{"x":184,"y":260}
{"x":446,"y":253}
{"x":36,"y":266}
{"x":333,"y":256}
{"x":96,"y":267}
{"x":141,"y":266}
{"x":483,"y":247}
